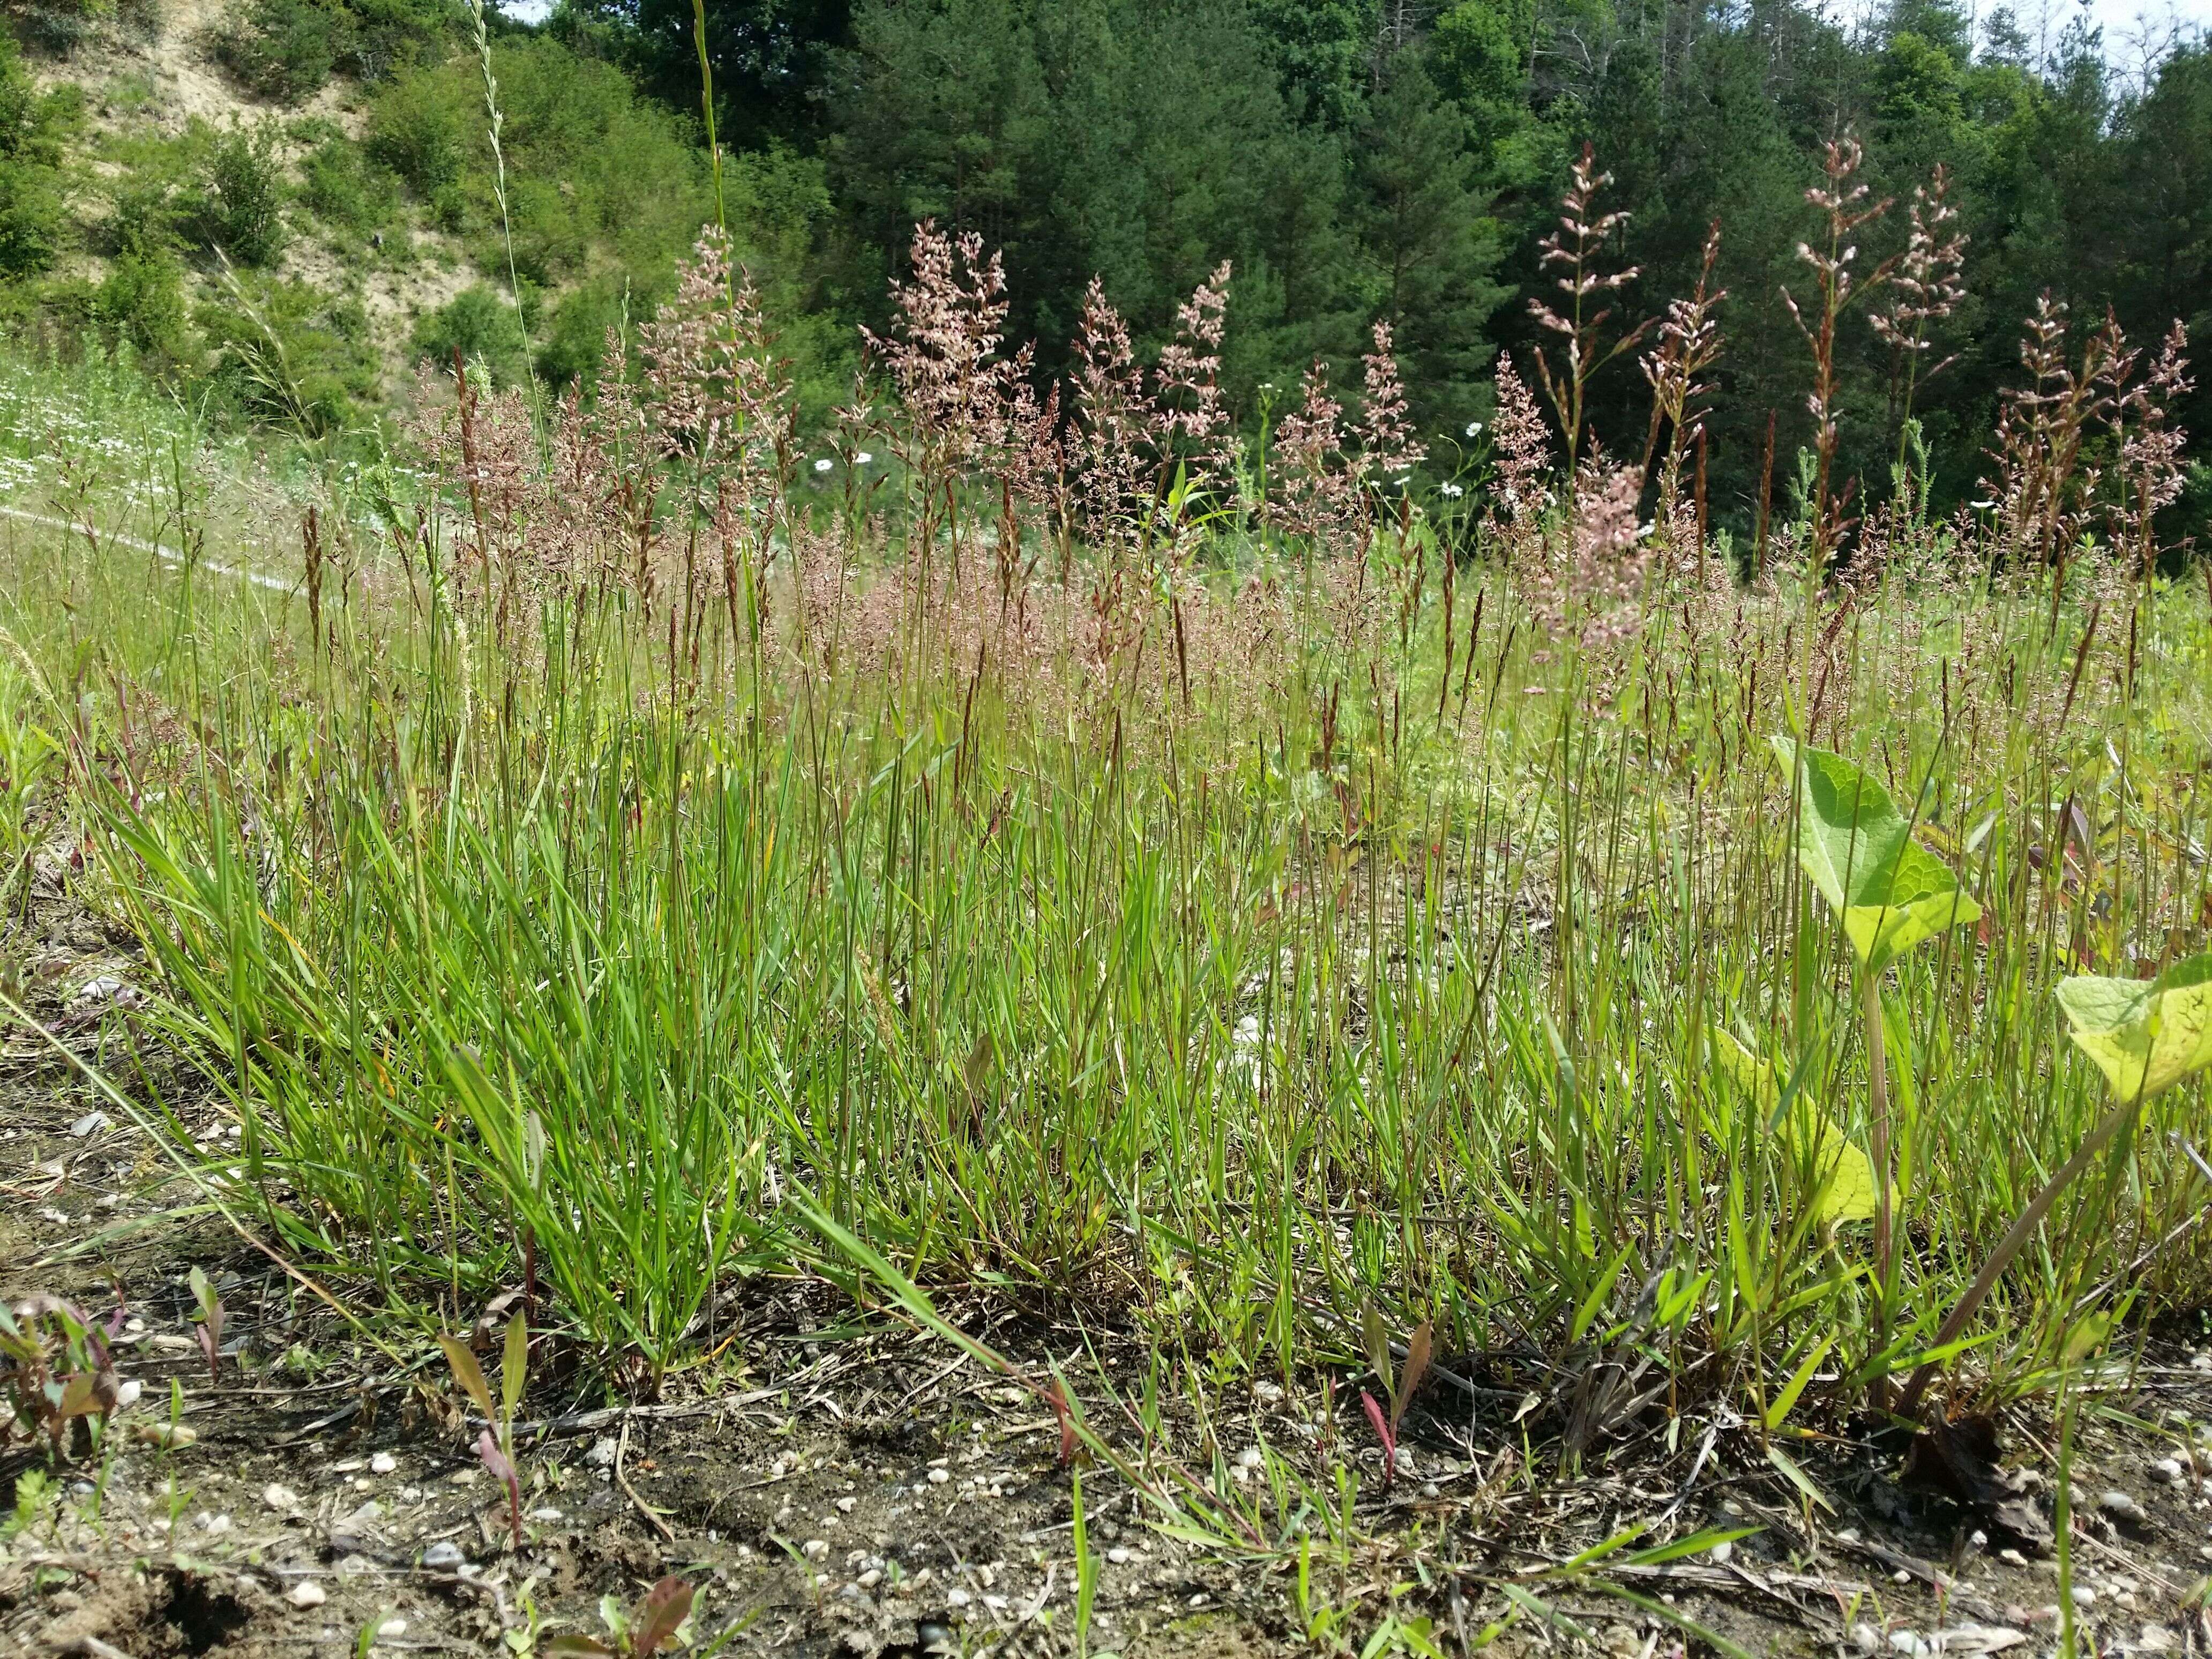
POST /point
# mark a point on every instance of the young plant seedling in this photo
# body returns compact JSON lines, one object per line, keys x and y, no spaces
{"x":55,"y":1369}
{"x":2145,"y":1035}
{"x":1890,"y":893}
{"x":1086,"y":1573}
{"x":1401,"y":1390}
{"x":639,"y":1631}
{"x":208,"y":1323}
{"x":496,"y":1441}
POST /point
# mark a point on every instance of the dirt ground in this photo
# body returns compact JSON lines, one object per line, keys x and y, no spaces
{"x":838,"y":1484}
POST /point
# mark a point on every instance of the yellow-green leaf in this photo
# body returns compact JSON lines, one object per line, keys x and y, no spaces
{"x":1843,"y":1186}
{"x":1890,"y":891}
{"x":516,"y":1363}
{"x":468,"y":1374}
{"x":2145,"y":1035}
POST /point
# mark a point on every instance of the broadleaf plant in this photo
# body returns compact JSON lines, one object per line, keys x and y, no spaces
{"x":1843,"y":1181}
{"x":2145,"y":1035}
{"x":1890,"y":893}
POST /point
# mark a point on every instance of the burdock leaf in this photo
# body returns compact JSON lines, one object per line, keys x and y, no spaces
{"x":1844,"y":1188}
{"x":1856,"y":845}
{"x":2145,"y":1035}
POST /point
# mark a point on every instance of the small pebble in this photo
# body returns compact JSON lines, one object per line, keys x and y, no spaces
{"x":1910,"y":1643}
{"x":1119,"y":1555}
{"x":939,"y":1477}
{"x":1250,"y":1458}
{"x":1865,"y":1637}
{"x":280,"y":1497}
{"x":2166,"y":1471}
{"x":391,"y":1628}
{"x":845,"y":1505}
{"x":2011,"y":1557}
{"x":127,"y":1393}
{"x":956,"y":1597}
{"x":1724,"y":1552}
{"x":603,"y":1452}
{"x":2084,"y":1596}
{"x":1901,"y":1577}
{"x":383,"y":1463}
{"x":444,"y":1556}
{"x":307,"y":1594}
{"x":815,"y":1549}
{"x":2121,"y":1506}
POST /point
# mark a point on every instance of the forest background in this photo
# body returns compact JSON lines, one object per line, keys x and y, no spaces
{"x":1357,"y":161}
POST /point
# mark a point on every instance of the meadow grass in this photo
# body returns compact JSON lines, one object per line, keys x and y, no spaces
{"x":1315,"y":938}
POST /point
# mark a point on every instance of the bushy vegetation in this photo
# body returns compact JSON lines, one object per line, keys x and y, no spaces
{"x":288,"y":50}
{"x":243,"y":212}
{"x":32,"y":127}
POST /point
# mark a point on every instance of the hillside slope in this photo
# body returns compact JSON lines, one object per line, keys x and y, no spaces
{"x":282,"y":206}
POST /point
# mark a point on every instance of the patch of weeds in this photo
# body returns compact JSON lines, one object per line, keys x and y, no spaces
{"x":57,"y":1376}
{"x":479,"y":323}
{"x":289,"y":354}
{"x":340,"y":185}
{"x":243,"y":195}
{"x":283,"y":50}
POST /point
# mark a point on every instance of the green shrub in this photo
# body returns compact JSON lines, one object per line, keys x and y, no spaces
{"x":59,"y":28}
{"x":575,"y":337}
{"x":145,"y":221}
{"x":31,"y":128}
{"x":419,"y":126}
{"x":388,"y":35}
{"x":142,"y":302}
{"x":285,"y":49}
{"x":244,"y":192}
{"x":30,"y":218}
{"x":289,"y":355}
{"x":479,"y":323}
{"x":341,"y":187}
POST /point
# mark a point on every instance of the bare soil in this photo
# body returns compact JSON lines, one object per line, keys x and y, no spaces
{"x":834,"y":1482}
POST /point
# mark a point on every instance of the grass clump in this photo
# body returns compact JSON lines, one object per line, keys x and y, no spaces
{"x":1229,"y":893}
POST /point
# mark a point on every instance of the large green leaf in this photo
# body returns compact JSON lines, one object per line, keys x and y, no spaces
{"x":1891,"y":892}
{"x":2145,"y":1035}
{"x":1843,"y":1188}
